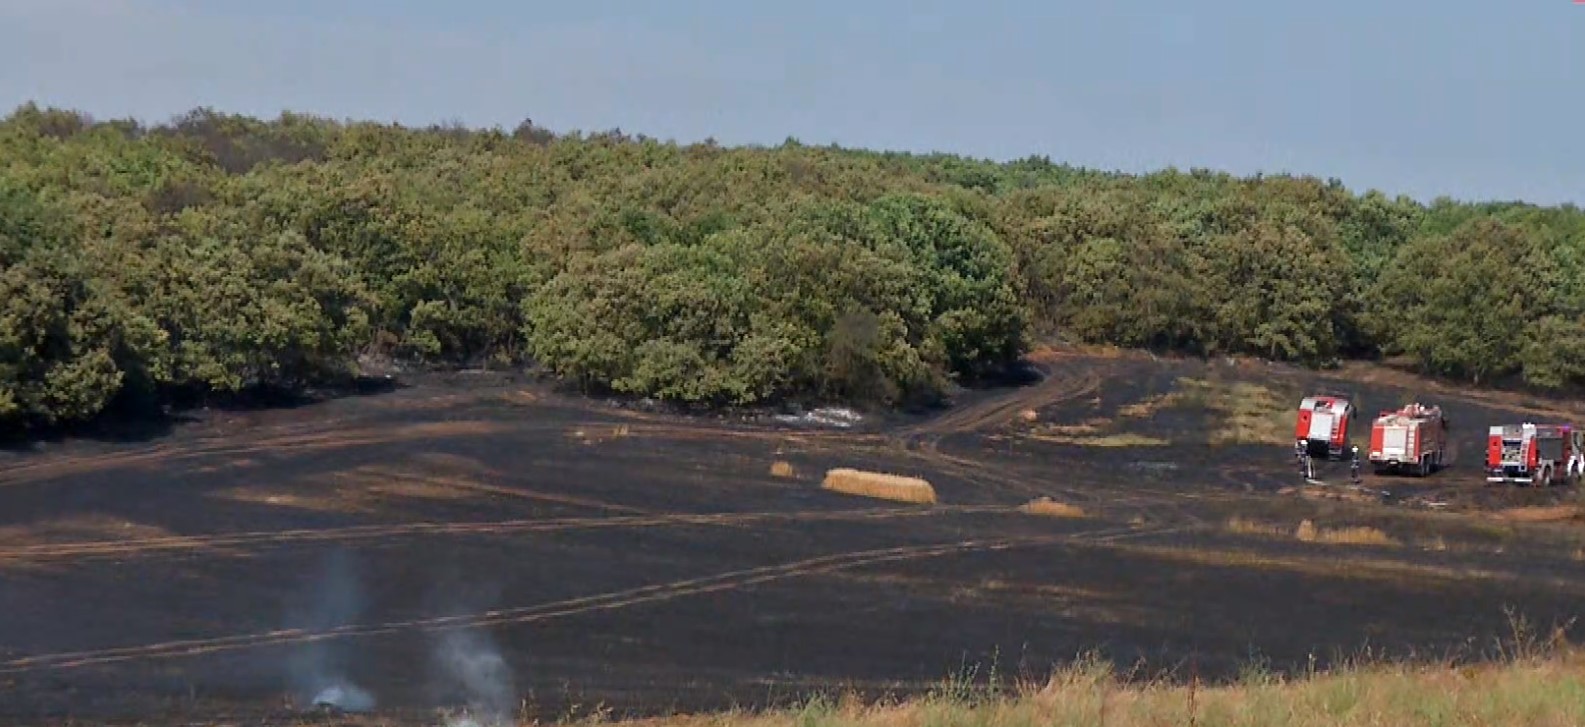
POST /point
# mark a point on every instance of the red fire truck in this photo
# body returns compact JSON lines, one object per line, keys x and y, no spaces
{"x":1322,"y":429}
{"x":1535,"y":454}
{"x":1411,"y":440}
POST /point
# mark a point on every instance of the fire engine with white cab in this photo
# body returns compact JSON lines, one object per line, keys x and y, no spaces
{"x":1322,"y":427}
{"x":1535,"y":454}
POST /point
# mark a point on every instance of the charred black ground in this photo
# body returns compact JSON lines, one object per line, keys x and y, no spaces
{"x":475,"y":539}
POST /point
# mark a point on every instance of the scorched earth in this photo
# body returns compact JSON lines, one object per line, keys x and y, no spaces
{"x":477,"y":542}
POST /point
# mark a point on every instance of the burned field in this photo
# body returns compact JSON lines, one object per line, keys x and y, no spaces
{"x":471,"y":540}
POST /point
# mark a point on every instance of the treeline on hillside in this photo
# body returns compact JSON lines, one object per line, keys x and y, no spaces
{"x":218,"y":253}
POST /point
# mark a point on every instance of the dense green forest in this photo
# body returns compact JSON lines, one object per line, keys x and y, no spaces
{"x":218,"y":253}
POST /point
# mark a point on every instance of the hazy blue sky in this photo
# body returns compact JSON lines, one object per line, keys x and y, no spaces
{"x":1470,"y":98}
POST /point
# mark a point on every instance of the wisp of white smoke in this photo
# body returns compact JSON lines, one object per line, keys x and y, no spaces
{"x":345,"y":697}
{"x":470,"y":660}
{"x":316,"y":670}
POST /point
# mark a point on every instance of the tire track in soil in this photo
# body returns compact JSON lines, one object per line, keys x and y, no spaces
{"x":50,"y":466}
{"x":114,"y":549}
{"x":296,"y":442}
{"x":261,"y":436}
{"x":923,"y":441}
{"x":523,"y":494}
{"x":728,"y":581}
{"x":1052,"y":389}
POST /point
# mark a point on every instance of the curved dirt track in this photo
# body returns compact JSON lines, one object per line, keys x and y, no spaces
{"x":652,"y":561}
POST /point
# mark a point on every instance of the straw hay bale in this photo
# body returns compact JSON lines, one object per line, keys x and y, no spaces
{"x":878,"y":485}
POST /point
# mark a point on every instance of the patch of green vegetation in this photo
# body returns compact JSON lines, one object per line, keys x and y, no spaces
{"x":1244,"y":412}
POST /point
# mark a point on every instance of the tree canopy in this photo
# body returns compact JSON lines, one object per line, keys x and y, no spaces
{"x":216,"y":252}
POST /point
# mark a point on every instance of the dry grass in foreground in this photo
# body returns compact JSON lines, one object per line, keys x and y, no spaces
{"x":1530,"y":691}
{"x":1552,"y":514}
{"x":1530,"y":678}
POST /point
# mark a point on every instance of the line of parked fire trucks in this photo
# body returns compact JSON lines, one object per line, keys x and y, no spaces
{"x":1413,"y":440}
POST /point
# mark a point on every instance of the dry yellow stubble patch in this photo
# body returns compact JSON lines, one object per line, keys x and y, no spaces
{"x":1051,"y":508}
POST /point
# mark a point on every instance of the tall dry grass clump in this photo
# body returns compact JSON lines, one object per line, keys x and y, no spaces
{"x":879,"y":485}
{"x":781,"y":468}
{"x":1245,"y":526}
{"x":1309,"y":533}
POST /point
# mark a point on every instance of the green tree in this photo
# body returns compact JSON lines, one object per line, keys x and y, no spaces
{"x":1460,"y":302}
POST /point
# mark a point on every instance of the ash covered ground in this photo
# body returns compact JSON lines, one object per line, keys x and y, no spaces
{"x":472,"y":542}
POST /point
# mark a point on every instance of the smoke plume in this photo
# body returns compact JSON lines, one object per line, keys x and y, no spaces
{"x":467,"y":668}
{"x":317,"y":670}
{"x":470,"y":664}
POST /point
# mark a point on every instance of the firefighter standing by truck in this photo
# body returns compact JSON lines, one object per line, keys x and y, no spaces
{"x":1307,"y":463}
{"x":1322,"y":431}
